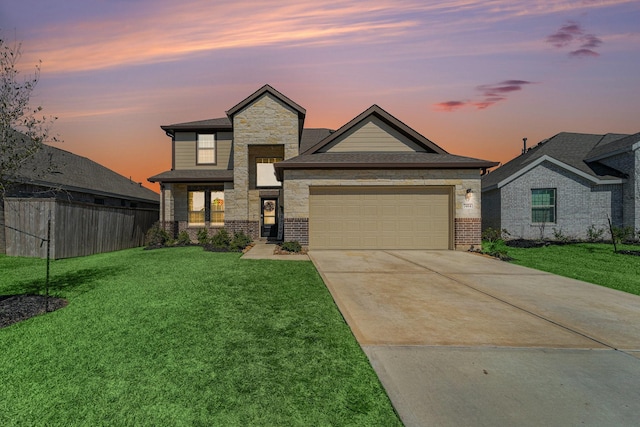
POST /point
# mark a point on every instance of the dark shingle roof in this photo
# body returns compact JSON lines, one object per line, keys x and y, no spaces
{"x":194,"y":175}
{"x":613,"y":146}
{"x":568,"y":148}
{"x":221,"y":123}
{"x":76,"y":173}
{"x":311,"y":137}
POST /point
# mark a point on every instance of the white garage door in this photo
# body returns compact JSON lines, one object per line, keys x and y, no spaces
{"x":380,"y":218}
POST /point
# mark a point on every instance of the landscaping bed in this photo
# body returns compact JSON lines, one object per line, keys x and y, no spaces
{"x":15,"y":308}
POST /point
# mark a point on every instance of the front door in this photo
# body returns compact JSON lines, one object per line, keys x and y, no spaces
{"x":269,"y":217}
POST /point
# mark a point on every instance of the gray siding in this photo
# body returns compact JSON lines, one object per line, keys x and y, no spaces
{"x":491,"y":210}
{"x":185,"y":151}
{"x":579,"y":203}
{"x":373,"y":135}
{"x":629,"y":163}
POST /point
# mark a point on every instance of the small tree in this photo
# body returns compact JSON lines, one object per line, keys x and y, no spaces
{"x":23,"y":128}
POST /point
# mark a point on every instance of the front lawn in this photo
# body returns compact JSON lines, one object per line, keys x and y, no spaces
{"x":590,"y":262}
{"x":183,"y":337}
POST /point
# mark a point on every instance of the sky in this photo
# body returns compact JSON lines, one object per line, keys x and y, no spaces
{"x":475,"y":77}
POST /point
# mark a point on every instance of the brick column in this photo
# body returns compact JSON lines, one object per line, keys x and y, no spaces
{"x":468,"y":232}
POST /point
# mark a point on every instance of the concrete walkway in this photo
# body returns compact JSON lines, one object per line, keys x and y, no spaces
{"x":458,"y":339}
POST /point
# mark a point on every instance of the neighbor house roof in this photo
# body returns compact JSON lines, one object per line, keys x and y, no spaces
{"x":76,"y":173}
{"x":194,"y":175}
{"x":567,"y":150}
{"x":610,"y":148}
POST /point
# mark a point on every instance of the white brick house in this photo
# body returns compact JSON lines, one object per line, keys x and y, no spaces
{"x":375,"y":183}
{"x":566,"y":184}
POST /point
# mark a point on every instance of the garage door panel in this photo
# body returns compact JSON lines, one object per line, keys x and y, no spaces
{"x":380,"y":217}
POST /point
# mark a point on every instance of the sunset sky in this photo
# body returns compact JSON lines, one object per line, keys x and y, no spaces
{"x":475,"y":77}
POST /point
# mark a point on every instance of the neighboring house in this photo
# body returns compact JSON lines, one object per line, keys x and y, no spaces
{"x":375,"y":183}
{"x":567,"y":183}
{"x":93,"y":209}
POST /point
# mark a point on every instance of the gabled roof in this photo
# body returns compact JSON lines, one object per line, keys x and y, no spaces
{"x":433,"y":156}
{"x":379,"y":112}
{"x":567,"y":150}
{"x":312,"y":136}
{"x":193,"y":175}
{"x":264,"y":90}
{"x":76,"y":173}
{"x":221,"y":123}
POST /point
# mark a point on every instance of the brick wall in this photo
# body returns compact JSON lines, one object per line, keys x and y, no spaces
{"x":297,"y":229}
{"x":468,"y":232}
{"x":580,"y":203}
{"x":250,"y":228}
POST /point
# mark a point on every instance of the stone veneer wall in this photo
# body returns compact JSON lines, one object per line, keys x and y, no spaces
{"x":266,"y":121}
{"x":467,"y":219}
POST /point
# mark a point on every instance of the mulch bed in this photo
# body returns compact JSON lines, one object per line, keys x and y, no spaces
{"x":15,"y":308}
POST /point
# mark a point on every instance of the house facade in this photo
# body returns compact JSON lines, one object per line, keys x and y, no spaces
{"x":375,"y":183}
{"x":566,"y":184}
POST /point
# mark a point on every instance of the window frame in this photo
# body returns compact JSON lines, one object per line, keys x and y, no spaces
{"x":200,"y":149}
{"x":208,"y":208}
{"x":552,"y":208}
{"x":271,"y":161}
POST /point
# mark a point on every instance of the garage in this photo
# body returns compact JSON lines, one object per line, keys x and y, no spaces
{"x":373,"y":217}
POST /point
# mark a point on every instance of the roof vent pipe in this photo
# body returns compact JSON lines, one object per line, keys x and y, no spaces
{"x":524,"y":145}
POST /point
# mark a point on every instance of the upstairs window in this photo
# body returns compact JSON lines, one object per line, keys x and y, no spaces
{"x":206,"y":149}
{"x":543,"y":205}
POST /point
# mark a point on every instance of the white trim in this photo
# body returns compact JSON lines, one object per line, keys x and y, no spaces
{"x":562,"y":165}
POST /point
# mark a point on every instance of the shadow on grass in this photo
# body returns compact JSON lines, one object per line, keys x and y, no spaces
{"x":77,"y":282}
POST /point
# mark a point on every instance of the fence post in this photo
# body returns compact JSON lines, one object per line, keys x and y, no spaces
{"x":46,"y":282}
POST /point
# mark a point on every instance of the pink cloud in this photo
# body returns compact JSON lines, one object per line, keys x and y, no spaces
{"x":449,"y":106}
{"x":489,"y":95}
{"x":583,"y":53}
{"x":572,"y":33}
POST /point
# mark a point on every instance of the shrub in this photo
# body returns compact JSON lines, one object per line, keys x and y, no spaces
{"x":240,"y":241}
{"x":183,"y":238}
{"x":292,"y":246}
{"x":221,"y":239}
{"x":559,"y":236}
{"x":203,"y":236}
{"x":594,"y":234}
{"x":493,"y":243}
{"x":156,"y":236}
{"x":622,"y":234}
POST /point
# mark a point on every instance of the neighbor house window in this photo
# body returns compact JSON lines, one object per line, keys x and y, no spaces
{"x":266,"y":172}
{"x":206,"y":150}
{"x":543,"y":205}
{"x":206,"y":204}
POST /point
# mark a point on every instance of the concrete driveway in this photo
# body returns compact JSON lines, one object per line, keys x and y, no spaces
{"x":459,"y":339}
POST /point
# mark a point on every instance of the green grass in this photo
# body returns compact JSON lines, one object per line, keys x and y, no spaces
{"x":590,"y":262}
{"x":183,"y":337}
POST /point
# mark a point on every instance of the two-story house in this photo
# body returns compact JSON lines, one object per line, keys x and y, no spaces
{"x":375,"y":183}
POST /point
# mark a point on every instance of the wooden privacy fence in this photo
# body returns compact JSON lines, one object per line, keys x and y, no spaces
{"x":77,"y":229}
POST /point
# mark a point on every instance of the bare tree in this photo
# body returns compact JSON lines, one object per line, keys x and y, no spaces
{"x":23,"y":128}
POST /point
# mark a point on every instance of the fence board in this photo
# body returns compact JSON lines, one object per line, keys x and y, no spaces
{"x":78,"y":229}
